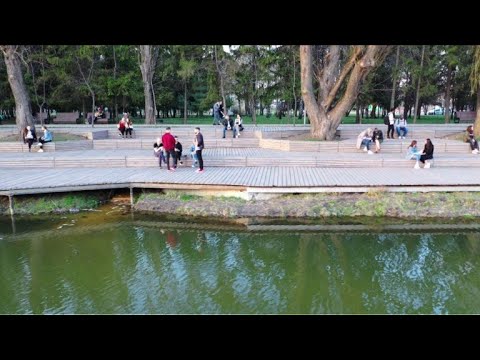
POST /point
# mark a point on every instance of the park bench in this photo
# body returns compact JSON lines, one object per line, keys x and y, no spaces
{"x":100,"y":120}
{"x":66,"y":118}
{"x":465,"y":116}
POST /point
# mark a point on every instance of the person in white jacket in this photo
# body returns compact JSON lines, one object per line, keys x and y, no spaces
{"x":365,"y":139}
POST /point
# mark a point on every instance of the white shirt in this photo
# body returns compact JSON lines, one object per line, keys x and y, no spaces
{"x":391,"y":118}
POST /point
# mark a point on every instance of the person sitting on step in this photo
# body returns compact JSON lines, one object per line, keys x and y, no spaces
{"x":238,"y":125}
{"x":178,"y":150}
{"x":470,"y":138}
{"x":122,"y":126}
{"x":377,"y":138}
{"x":29,"y":137}
{"x":128,"y":126}
{"x":228,"y":125}
{"x":47,"y":137}
{"x":427,"y":153}
{"x":401,"y":125}
{"x":365,"y":139}
{"x":414,"y":154}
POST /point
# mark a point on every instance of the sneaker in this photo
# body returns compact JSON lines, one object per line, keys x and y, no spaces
{"x":365,"y":148}
{"x":41,"y":150}
{"x":180,"y":162}
{"x":200,"y":171}
{"x":427,"y":165}
{"x":193,"y":165}
{"x":417,"y":166}
{"x":475,"y":151}
{"x":370,"y":152}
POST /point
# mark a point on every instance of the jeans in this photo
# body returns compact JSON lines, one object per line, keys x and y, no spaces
{"x":174,"y":156}
{"x":200,"y":159}
{"x":193,"y":153}
{"x":366,"y":143}
{"x":225,"y":132}
{"x":161,"y":156}
{"x":402,"y":128}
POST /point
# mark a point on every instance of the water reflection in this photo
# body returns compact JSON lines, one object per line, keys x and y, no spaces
{"x":146,"y":266}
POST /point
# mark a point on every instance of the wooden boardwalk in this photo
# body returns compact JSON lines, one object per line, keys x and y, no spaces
{"x":253,"y":179}
{"x":238,"y":157}
{"x":318,"y":168}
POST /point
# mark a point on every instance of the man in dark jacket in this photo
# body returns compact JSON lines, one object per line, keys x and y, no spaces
{"x":198,"y":142}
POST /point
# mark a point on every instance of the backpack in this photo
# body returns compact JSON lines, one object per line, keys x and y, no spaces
{"x":386,"y":120}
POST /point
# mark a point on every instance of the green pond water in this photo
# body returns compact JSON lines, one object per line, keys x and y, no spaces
{"x":111,"y":262}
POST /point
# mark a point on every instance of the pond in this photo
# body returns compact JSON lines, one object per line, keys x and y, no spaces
{"x":113,"y":262}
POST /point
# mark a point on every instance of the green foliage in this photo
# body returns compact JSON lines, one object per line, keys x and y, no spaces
{"x":55,"y":203}
{"x":64,"y":77}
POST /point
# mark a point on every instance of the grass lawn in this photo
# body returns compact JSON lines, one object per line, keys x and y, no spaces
{"x":272,"y":120}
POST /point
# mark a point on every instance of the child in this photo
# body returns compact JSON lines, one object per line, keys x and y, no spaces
{"x":193,"y":154}
{"x":158,"y":152}
{"x":413,"y":154}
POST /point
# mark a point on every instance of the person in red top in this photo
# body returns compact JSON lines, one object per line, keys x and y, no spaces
{"x":121,"y":126}
{"x":169,"y":146}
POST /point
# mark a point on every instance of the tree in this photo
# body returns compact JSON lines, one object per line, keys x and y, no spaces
{"x":417,"y":95}
{"x":475,"y":87}
{"x":326,"y":114}
{"x":147,"y":63}
{"x":394,"y":85}
{"x":86,"y":58}
{"x":36,"y":69}
{"x":23,"y":109}
{"x":220,"y":64}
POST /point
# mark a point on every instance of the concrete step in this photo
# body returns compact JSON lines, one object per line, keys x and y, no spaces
{"x":222,"y":157}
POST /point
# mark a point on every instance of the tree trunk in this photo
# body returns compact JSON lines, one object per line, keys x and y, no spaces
{"x":185,"y":103}
{"x":357,"y":113}
{"x":115,"y":104}
{"x":92,"y":93}
{"x":84,"y":109}
{"x":324,"y":117}
{"x":252,"y":110}
{"x":148,"y":60}
{"x":23,"y":109}
{"x":417,"y":95}
{"x":373,"y":113}
{"x":476,"y":127}
{"x":293,"y":88}
{"x":392,"y":99}
{"x":219,"y":67}
{"x":447,"y":94}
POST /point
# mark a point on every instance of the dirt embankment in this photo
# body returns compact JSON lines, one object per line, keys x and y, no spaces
{"x":373,"y":204}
